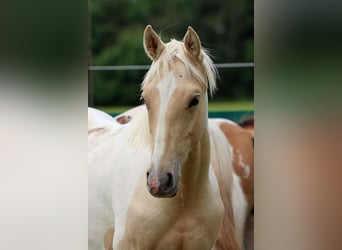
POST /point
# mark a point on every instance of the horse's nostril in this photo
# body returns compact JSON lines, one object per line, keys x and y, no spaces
{"x":147,"y":173}
{"x":169,"y":182}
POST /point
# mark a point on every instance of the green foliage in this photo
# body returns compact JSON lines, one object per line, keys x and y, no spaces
{"x":213,"y":106}
{"x":225,"y":28}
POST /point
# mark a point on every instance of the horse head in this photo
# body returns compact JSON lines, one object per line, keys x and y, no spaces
{"x":175,"y":93}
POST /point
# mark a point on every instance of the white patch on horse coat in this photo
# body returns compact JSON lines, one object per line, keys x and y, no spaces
{"x":239,"y":203}
{"x":166,"y":87}
{"x":246,"y":167}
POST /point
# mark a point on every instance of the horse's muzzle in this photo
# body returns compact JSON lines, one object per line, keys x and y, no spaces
{"x":162,"y":184}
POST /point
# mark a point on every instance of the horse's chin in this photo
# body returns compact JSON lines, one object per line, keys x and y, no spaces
{"x":172,"y":192}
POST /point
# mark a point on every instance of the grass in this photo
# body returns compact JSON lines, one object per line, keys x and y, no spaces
{"x":213,"y":106}
{"x":231,"y":106}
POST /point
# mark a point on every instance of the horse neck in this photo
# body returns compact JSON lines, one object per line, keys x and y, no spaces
{"x":195,"y":169}
{"x":196,"y":166}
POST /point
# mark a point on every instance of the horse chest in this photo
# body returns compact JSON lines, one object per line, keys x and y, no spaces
{"x":169,"y":224}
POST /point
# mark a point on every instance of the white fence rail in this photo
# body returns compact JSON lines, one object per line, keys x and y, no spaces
{"x":145,"y":67}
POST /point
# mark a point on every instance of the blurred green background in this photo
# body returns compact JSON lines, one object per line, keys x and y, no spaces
{"x":225,"y":28}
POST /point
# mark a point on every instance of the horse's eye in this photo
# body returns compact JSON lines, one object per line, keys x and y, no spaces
{"x":193,"y":102}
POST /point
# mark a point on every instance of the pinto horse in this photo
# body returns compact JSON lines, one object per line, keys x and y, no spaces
{"x":164,"y":178}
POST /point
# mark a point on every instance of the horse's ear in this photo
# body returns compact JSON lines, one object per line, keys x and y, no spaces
{"x":192,"y":42}
{"x":152,"y":43}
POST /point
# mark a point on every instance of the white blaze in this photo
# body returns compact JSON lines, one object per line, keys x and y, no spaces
{"x":166,"y":87}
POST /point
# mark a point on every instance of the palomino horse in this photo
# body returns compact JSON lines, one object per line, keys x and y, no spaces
{"x":165,"y":179}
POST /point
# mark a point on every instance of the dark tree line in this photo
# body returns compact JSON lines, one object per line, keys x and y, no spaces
{"x":225,"y":28}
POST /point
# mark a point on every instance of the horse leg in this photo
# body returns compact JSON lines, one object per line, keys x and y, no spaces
{"x":108,"y":239}
{"x":249,"y":233}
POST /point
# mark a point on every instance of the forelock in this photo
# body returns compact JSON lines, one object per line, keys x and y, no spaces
{"x":175,"y":49}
